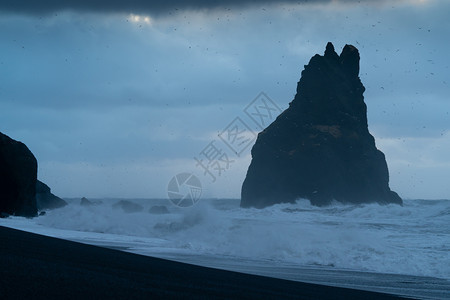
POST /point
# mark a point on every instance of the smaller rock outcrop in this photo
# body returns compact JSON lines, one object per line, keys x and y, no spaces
{"x":45,"y":199}
{"x":158,"y":210}
{"x":128,"y":206}
{"x":18,"y":175}
{"x":86,"y":202}
{"x":4,"y":215}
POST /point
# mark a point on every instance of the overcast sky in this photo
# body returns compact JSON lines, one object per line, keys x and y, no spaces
{"x":115,"y":99}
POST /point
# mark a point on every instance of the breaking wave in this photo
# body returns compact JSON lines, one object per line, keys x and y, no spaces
{"x":413,"y":239}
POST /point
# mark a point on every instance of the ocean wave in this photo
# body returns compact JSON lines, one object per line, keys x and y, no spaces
{"x":412,"y":239}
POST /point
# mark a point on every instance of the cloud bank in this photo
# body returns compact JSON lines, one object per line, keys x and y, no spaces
{"x":144,"y":6}
{"x":116,"y":104}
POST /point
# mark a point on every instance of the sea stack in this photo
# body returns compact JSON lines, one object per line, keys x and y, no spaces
{"x":320,"y":147}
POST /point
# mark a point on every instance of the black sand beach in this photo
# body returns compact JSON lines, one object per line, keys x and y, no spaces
{"x":34,"y":266}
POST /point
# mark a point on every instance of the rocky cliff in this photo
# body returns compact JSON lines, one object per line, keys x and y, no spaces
{"x":18,"y":175}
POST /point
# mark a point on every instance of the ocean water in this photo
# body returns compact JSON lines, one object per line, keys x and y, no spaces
{"x":398,"y":249}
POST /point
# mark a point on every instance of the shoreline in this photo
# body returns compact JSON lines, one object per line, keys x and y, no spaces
{"x":33,"y":265}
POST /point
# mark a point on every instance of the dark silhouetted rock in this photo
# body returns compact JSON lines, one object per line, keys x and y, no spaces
{"x":158,"y":210}
{"x":128,"y":206}
{"x":45,"y":199}
{"x":18,"y":175}
{"x":320,"y":147}
{"x":86,"y":202}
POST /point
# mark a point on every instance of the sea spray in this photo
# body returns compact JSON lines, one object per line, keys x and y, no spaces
{"x":412,"y":239}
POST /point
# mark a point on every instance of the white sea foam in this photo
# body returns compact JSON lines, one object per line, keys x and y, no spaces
{"x":413,"y":239}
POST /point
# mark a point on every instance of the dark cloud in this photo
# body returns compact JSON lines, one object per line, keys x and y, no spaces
{"x":47,"y":6}
{"x":136,"y":6}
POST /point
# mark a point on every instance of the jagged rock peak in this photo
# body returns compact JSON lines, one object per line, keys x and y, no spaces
{"x":350,"y":60}
{"x":330,"y":52}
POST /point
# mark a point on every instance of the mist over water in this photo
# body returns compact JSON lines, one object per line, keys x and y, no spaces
{"x":413,"y":239}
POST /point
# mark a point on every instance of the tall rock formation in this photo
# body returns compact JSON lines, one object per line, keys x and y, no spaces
{"x":18,"y":175}
{"x":320,"y":147}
